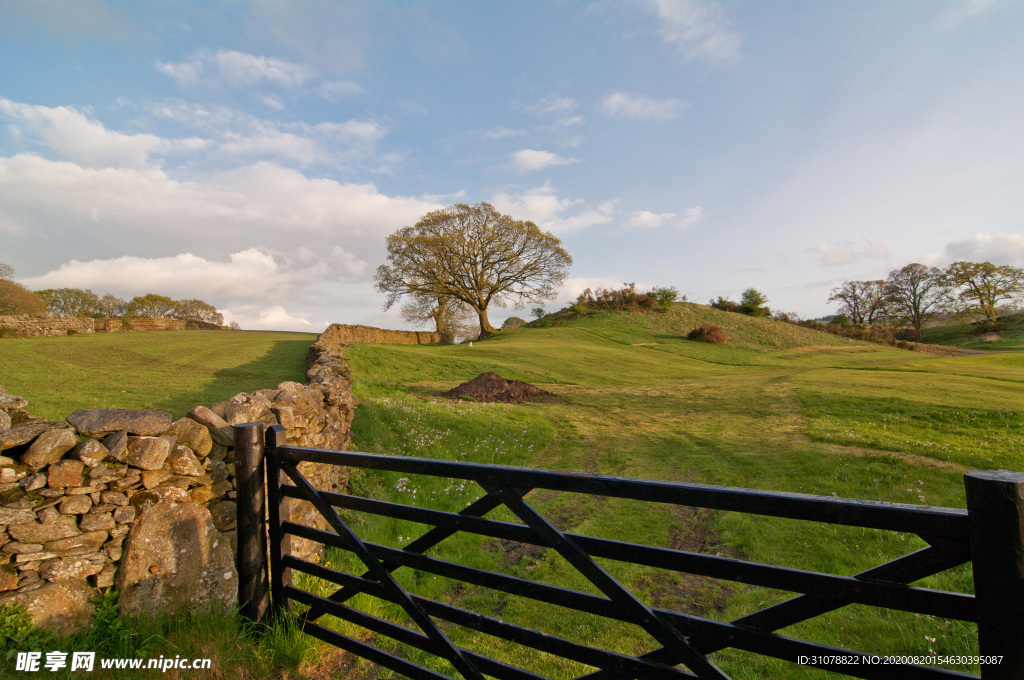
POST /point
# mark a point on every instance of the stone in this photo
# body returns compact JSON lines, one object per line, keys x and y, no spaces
{"x":29,"y":566}
{"x":173,"y":559}
{"x":105,"y":470}
{"x":97,"y":422}
{"x":97,"y":521}
{"x":8,"y":577}
{"x":90,"y":452}
{"x":124,"y":515}
{"x":16,"y":516}
{"x":23,"y":433}
{"x":114,"y":553}
{"x":62,"y":607}
{"x":11,"y":402}
{"x":219,"y":452}
{"x":21,"y":548}
{"x":114,"y":498}
{"x":33,"y":482}
{"x":36,"y":532}
{"x":200,"y":494}
{"x":75,"y":505}
{"x":69,"y":568}
{"x":105,"y":579}
{"x":148,"y":453}
{"x":48,"y":447}
{"x":224,"y":515}
{"x":221,"y":488}
{"x":116,"y":444}
{"x":153,"y":478}
{"x":92,"y":539}
{"x":48,"y":514}
{"x":184,"y":462}
{"x":12,"y":473}
{"x":65,"y":473}
{"x":85,"y":490}
{"x":207,"y":418}
{"x":36,"y":557}
{"x":5,"y":421}
{"x":193,"y":435}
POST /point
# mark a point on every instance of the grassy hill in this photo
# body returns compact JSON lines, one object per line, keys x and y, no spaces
{"x":1008,"y":336}
{"x":777,"y":407}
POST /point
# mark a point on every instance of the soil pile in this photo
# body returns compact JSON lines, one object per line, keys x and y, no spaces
{"x":492,"y":387}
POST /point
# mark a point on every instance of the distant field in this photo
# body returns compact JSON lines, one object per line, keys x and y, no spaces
{"x":164,"y":370}
{"x":1009,"y":337}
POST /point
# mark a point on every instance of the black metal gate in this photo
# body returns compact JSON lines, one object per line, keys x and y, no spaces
{"x":682,"y":642}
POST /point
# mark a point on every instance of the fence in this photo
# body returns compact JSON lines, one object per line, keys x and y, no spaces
{"x":990,"y":534}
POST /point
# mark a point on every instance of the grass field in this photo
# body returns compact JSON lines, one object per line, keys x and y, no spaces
{"x":779,"y":407}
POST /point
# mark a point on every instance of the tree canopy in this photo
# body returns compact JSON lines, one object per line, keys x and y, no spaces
{"x":978,"y":288}
{"x":476,"y":255}
{"x":916,"y":293}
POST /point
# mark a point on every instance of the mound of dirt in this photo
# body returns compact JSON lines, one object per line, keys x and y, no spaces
{"x":492,"y":387}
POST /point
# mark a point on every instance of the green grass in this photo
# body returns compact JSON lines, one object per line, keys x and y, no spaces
{"x":779,"y":407}
{"x":1009,"y":336}
{"x":166,"y":371}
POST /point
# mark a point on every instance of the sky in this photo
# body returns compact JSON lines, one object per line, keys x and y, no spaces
{"x":257,"y":154}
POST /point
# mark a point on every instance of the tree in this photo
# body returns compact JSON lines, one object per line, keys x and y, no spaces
{"x":977,"y":288}
{"x":476,"y":255}
{"x":112,"y":306}
{"x":17,"y":299}
{"x":538,"y":313}
{"x":196,"y":310}
{"x":69,"y":301}
{"x":513,"y":322}
{"x":864,"y":302}
{"x":6,"y":271}
{"x":916,"y":293}
{"x":150,"y":305}
{"x":753,"y":303}
{"x":451,"y":317}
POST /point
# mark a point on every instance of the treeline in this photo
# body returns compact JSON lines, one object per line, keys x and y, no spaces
{"x":82,"y":302}
{"x":917,"y":294}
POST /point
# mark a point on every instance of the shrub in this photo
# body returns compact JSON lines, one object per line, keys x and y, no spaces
{"x":753,"y":303}
{"x":538,"y":312}
{"x":665,"y":297}
{"x":726,"y":305}
{"x":513,"y":322}
{"x":708,"y":333}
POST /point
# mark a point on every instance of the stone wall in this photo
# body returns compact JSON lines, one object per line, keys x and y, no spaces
{"x":146,"y":503}
{"x":341,"y":334}
{"x":26,"y":326}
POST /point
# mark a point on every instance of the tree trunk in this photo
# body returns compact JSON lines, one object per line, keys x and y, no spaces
{"x":441,"y":323}
{"x":485,"y":326}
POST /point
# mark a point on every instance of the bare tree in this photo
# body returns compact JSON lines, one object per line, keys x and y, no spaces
{"x":916,"y":293}
{"x":6,"y":271}
{"x":451,"y":318}
{"x":864,"y":302}
{"x":476,"y":255}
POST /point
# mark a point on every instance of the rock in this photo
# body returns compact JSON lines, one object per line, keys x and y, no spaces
{"x":12,"y":473}
{"x":124,"y":515}
{"x":97,"y":422}
{"x":173,"y":559}
{"x":5,"y":421}
{"x":93,"y":539}
{"x":75,"y":505}
{"x":8,"y":577}
{"x":47,"y":514}
{"x":33,"y":482}
{"x":114,"y":498}
{"x":11,"y":402}
{"x":117,"y":444}
{"x":21,"y":548}
{"x":148,"y":453}
{"x":48,"y":447}
{"x":105,"y":579}
{"x":35,"y":532}
{"x":62,"y":607}
{"x":193,"y":435}
{"x":201,"y":495}
{"x":97,"y":521}
{"x":219,"y":430}
{"x":184,"y":462}
{"x":224,"y":515}
{"x":65,"y":473}
{"x":153,"y":478}
{"x":15,"y":516}
{"x":69,"y":568}
{"x":90,"y":452}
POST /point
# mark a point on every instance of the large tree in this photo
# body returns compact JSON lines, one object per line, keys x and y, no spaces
{"x":474,"y":254}
{"x":151,"y":306}
{"x":69,"y":301}
{"x":978,"y":288}
{"x":916,"y":293}
{"x":197,"y":310}
{"x":864,"y":302}
{"x":452,"y":319}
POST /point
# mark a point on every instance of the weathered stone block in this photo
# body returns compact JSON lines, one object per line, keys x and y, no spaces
{"x":75,"y":505}
{"x":36,"y":532}
{"x":117,"y":444}
{"x":97,"y":521}
{"x":69,"y":568}
{"x":183,"y":462}
{"x":92,"y":539}
{"x":224,"y":515}
{"x":148,"y":453}
{"x":63,"y":607}
{"x":48,"y":447}
{"x":192,"y":434}
{"x":65,"y":473}
{"x":90,"y":452}
{"x":97,"y":422}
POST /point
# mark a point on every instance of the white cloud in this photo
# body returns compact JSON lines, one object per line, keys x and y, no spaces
{"x":574,"y":287}
{"x":543,"y":206}
{"x":529,"y":160}
{"x":968,"y":9}
{"x":645,"y":219}
{"x":999,"y":249}
{"x":550,"y":105}
{"x":273,"y":103}
{"x":275,"y":318}
{"x":336,"y":90}
{"x":237,"y":69}
{"x":698,"y":30}
{"x":70,"y":133}
{"x":847,"y":252}
{"x":502,"y":132}
{"x":625,"y":105}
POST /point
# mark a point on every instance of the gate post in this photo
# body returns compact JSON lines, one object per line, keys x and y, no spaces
{"x":995,"y":506}
{"x":251,"y":511}
{"x":277,"y":510}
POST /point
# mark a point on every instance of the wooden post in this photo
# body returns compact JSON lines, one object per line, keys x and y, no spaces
{"x":253,"y":582}
{"x":995,"y":504}
{"x":277,"y":510}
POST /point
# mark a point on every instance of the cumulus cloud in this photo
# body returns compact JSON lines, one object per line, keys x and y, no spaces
{"x":530,"y":160}
{"x":70,"y":133}
{"x":645,"y":219}
{"x":236,"y":69}
{"x":998,"y":249}
{"x":698,"y":30}
{"x":543,"y":206}
{"x":847,"y":252}
{"x":336,"y":90}
{"x":624,"y":105}
{"x":275,"y":318}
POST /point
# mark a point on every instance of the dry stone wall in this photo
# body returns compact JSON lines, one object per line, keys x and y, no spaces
{"x":145,"y":502}
{"x":341,"y":334}
{"x":27,"y":326}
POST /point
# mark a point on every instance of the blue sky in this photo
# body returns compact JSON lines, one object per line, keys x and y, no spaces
{"x":256,"y":154}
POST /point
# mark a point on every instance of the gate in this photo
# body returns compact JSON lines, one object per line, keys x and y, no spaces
{"x":990,"y":535}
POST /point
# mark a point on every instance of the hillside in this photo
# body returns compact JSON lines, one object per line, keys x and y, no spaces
{"x":1009,"y":335}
